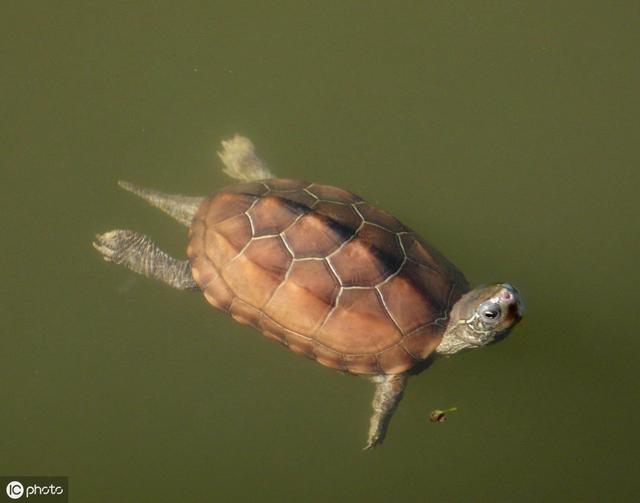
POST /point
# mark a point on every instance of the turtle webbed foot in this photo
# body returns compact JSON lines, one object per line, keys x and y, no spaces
{"x":241,"y":162}
{"x":113,"y":245}
{"x":387,"y":394}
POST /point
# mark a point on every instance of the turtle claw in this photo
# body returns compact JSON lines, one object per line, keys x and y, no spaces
{"x":372,"y":443}
{"x":112,"y":244}
{"x":100,"y":245}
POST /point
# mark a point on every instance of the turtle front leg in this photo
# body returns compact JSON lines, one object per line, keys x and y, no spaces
{"x":140,"y":254}
{"x":387,"y":395}
{"x":241,"y":162}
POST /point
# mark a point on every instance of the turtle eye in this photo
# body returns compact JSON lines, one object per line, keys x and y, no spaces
{"x":490,"y":312}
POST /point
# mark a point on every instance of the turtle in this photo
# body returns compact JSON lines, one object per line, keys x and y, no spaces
{"x":324,"y":273}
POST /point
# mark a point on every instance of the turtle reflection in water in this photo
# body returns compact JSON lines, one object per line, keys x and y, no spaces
{"x":324,"y":273}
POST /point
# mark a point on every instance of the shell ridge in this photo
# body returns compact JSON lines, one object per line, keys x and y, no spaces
{"x":369,"y":222}
{"x":292,"y":224}
{"x":246,"y":212}
{"x":269,"y":271}
{"x":347,"y":241}
{"x":329,"y":313}
{"x":306,"y":189}
{"x":388,"y":311}
{"x":243,"y":249}
{"x":397,"y":271}
{"x":333,"y":271}
{"x":282,"y":283}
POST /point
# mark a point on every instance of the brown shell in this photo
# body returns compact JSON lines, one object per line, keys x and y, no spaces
{"x":323,"y":272}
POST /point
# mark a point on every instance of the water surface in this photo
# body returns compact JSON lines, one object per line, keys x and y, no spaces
{"x":506,"y":133}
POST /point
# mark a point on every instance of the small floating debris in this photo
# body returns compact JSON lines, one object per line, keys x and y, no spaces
{"x":438,"y":416}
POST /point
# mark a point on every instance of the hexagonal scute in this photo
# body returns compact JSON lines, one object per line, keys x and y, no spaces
{"x":236,"y":230}
{"x":377,"y":216}
{"x":339,"y":215}
{"x":430,"y":286}
{"x":335,"y":194}
{"x":359,"y":324}
{"x":255,"y":274}
{"x":418,"y":250}
{"x":421,"y":252}
{"x":269,"y":253}
{"x":369,"y":258}
{"x":315,"y":235}
{"x":218,"y":249}
{"x":299,"y":197}
{"x":305,"y":298}
{"x":409,"y":297}
{"x":272,"y":214}
{"x":223,"y":206}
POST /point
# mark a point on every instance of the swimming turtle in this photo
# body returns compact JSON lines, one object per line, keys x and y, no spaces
{"x":324,"y":273}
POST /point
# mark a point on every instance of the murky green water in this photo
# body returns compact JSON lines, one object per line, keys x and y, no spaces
{"x":505,"y":132}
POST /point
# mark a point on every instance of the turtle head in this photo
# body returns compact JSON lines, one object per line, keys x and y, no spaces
{"x":480,"y":317}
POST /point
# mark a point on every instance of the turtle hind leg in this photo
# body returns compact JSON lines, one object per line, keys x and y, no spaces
{"x":387,"y":395}
{"x":241,"y":162}
{"x":140,"y":254}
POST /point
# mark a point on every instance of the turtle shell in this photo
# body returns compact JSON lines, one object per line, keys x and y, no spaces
{"x":323,"y":272}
